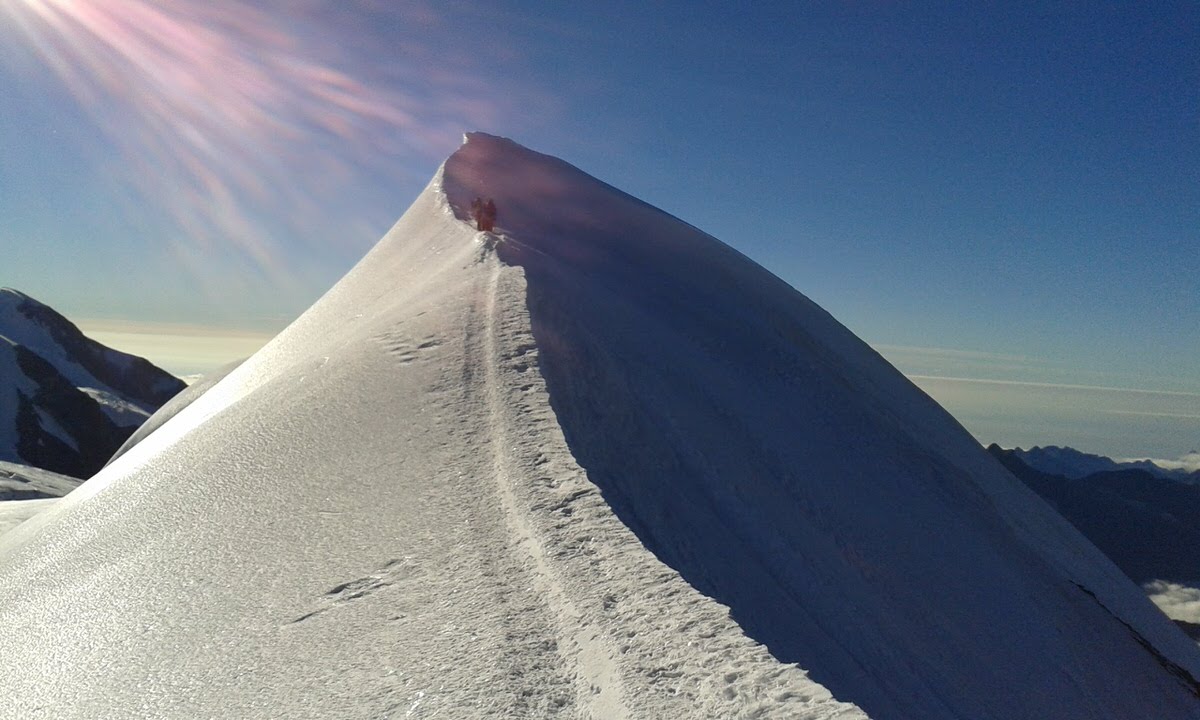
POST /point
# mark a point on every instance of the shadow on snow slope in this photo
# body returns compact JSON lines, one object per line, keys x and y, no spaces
{"x":783,"y":468}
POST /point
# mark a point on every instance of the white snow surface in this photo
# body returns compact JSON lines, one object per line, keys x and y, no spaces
{"x":15,"y":512}
{"x":523,"y":475}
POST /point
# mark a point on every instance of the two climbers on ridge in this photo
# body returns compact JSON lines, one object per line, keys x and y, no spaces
{"x":484,"y":214}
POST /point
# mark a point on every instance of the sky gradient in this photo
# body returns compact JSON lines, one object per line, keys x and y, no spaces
{"x":1004,"y":199}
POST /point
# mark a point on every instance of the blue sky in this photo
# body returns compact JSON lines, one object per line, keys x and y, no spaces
{"x":997,"y":192}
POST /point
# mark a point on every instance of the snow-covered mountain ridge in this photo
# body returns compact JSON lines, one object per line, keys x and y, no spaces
{"x":594,"y":465}
{"x":67,"y":402}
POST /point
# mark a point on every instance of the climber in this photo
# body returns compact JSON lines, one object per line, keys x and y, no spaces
{"x":477,"y":212}
{"x":487,"y":218}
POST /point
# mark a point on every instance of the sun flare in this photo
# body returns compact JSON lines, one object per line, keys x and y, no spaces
{"x":229,"y":112}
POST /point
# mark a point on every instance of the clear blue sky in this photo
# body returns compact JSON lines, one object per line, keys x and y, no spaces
{"x":984,"y":191}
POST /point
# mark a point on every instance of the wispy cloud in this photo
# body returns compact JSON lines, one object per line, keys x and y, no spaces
{"x":1112,"y":420}
{"x":1057,"y":386}
{"x":1188,"y":463}
{"x":1142,"y":413}
{"x":247,"y":123}
{"x":939,"y":352}
{"x":955,"y":362}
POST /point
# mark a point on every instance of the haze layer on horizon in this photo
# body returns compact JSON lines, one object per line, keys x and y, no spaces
{"x":1120,"y":422}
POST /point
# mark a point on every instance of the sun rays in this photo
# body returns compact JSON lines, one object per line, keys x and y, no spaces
{"x":242,"y":122}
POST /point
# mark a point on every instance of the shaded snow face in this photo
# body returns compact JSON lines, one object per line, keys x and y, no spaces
{"x":783,"y":468}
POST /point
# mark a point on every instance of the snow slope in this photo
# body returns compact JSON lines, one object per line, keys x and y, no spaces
{"x":526,"y":474}
{"x":175,"y":404}
{"x":15,"y":512}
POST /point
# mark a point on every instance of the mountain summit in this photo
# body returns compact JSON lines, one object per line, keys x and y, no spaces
{"x":594,"y":464}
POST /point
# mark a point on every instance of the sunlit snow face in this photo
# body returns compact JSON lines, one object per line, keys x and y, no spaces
{"x":228,"y":111}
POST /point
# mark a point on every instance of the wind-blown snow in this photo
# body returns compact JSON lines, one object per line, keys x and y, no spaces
{"x":523,"y":475}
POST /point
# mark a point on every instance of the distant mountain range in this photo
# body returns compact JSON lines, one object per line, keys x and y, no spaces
{"x":66,"y":401}
{"x":1073,"y":464}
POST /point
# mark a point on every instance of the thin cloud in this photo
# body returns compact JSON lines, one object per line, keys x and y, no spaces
{"x":938,"y":352}
{"x":1057,"y":386}
{"x":1189,"y":463}
{"x":1144,"y":413}
{"x":248,"y":124}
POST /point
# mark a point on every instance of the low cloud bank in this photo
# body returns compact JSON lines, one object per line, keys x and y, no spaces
{"x":1188,"y":463}
{"x":1178,"y":602}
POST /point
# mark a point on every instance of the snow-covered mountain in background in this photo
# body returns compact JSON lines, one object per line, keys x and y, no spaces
{"x":594,"y":465}
{"x":66,"y":401}
{"x":1074,"y":464}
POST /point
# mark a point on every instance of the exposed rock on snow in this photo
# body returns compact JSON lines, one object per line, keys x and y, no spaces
{"x":67,"y":402}
{"x":524,"y":474}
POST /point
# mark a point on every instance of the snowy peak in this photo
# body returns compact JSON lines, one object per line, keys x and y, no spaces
{"x":67,"y":402}
{"x":764,"y":452}
{"x":594,"y":463}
